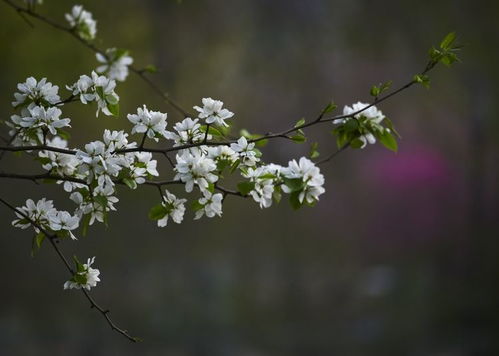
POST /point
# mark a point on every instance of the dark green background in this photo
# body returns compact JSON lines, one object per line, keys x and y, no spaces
{"x":400,"y":257}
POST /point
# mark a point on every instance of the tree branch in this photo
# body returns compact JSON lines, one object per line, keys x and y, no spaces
{"x":140,"y":73}
{"x":93,"y":303}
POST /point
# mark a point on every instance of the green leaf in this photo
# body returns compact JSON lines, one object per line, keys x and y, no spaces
{"x":80,"y":278}
{"x":39,"y":239}
{"x":294,"y":184}
{"x":389,"y":124}
{"x":449,"y":59}
{"x":261,"y":143}
{"x":120,"y":52}
{"x":102,"y":200}
{"x":298,"y":138}
{"x":100,"y":92}
{"x":330,"y":107}
{"x":375,"y":91}
{"x":387,"y":139}
{"x":341,"y":140}
{"x":422,"y":79}
{"x":196,"y":205}
{"x":79,"y":266}
{"x":351,"y":125}
{"x":245,"y":187}
{"x":386,"y":85}
{"x":300,"y":122}
{"x":267,"y":176}
{"x":448,"y":41}
{"x":131,"y":183}
{"x":313,"y":150}
{"x":114,"y":109}
{"x":112,"y":99}
{"x":356,"y":143}
{"x":157,"y":212}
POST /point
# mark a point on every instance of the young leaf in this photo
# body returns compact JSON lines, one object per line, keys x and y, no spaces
{"x":245,"y":187}
{"x":330,"y":107}
{"x":422,"y":79}
{"x":387,"y":139}
{"x":294,"y":184}
{"x":375,"y":91}
{"x":157,"y":212}
{"x":132,"y":184}
{"x":448,"y":41}
{"x":114,"y":109}
{"x":313,"y":150}
{"x":300,"y":122}
{"x":299,"y":138}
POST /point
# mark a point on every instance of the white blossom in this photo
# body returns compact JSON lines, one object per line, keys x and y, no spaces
{"x":195,"y":168}
{"x":116,"y":140}
{"x":82,"y":22}
{"x":174,"y":208}
{"x":264,"y":178}
{"x":370,"y":120}
{"x":96,"y":88}
{"x":85,"y":277}
{"x":65,"y":221}
{"x":40,"y":93}
{"x":213,"y":113}
{"x":92,"y":205}
{"x":371,"y":113}
{"x":153,"y":123}
{"x":221,"y":153}
{"x":143,"y":166}
{"x":115,"y":63}
{"x":62,"y":164}
{"x":39,"y":118}
{"x":306,"y":171}
{"x":210,"y":204}
{"x":246,"y":151}
{"x":41,"y":213}
{"x":187,"y":131}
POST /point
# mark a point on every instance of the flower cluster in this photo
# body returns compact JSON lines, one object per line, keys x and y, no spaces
{"x":362,"y":124}
{"x":151,"y":123}
{"x":82,"y":22}
{"x":85,"y":276}
{"x":213,"y":113}
{"x":43,"y":217}
{"x":304,"y":180}
{"x":35,"y":122}
{"x":188,"y":131}
{"x":99,"y":89}
{"x":171,"y":207}
{"x":33,"y":92}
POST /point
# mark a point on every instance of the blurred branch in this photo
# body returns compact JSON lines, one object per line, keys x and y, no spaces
{"x":139,"y":72}
{"x":53,"y":241}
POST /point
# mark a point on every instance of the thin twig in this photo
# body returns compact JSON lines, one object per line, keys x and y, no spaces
{"x":52,"y":238}
{"x":140,"y":73}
